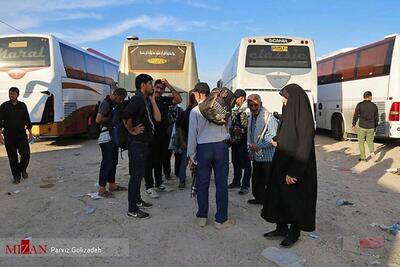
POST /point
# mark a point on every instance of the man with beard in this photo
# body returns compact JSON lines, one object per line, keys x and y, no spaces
{"x":159,"y":157}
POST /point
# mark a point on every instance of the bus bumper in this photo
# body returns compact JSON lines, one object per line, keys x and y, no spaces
{"x":49,"y":129}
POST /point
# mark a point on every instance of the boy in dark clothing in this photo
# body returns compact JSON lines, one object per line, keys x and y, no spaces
{"x":14,"y":121}
{"x":138,"y":120}
{"x":367,"y":114}
{"x":109,"y":151}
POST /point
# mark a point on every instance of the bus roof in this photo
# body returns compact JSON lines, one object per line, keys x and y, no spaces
{"x":275,"y":36}
{"x":158,"y":41}
{"x":334,"y":53}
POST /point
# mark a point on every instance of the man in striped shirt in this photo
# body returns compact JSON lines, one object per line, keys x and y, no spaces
{"x":261,"y":129}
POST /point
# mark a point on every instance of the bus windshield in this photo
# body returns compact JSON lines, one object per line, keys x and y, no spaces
{"x":278,"y":56}
{"x":22,"y":52}
{"x":156,"y":57}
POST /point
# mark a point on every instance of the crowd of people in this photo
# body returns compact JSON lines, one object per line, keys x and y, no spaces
{"x":275,"y":152}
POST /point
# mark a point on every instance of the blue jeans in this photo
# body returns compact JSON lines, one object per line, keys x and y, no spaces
{"x":137,"y":152}
{"x":213,"y":156}
{"x":109,"y":163}
{"x":183,"y":166}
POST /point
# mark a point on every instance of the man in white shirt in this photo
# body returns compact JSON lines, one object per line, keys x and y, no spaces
{"x":208,"y":150}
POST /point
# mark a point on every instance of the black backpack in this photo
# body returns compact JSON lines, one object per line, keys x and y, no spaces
{"x":217,"y":107}
{"x":118,"y":133}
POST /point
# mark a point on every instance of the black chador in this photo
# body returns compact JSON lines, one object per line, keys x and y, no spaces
{"x":293,"y":204}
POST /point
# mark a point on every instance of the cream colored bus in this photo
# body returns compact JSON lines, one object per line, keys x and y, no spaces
{"x":174,"y":60}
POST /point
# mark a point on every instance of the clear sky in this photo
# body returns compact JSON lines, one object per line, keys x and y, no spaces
{"x":214,"y":26}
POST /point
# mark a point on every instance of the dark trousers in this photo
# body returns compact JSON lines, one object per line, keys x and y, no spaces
{"x":15,"y":145}
{"x":166,"y":163}
{"x":109,"y":163}
{"x":261,"y":174}
{"x":177,"y":164}
{"x":157,"y":159}
{"x":213,"y":156}
{"x":138,"y":153}
{"x":183,"y":166}
{"x":241,"y":162}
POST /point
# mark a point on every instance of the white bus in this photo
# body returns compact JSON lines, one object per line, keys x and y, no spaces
{"x":59,"y":82}
{"x":174,"y":60}
{"x":265,"y":64}
{"x":343,"y":77}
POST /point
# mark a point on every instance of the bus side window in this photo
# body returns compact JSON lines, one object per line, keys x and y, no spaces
{"x":74,"y":62}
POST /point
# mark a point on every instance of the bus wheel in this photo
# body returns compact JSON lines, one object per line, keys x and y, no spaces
{"x":93,"y":129}
{"x":338,"y":128}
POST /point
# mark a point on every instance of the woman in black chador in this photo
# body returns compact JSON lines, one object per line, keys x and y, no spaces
{"x":292,"y":190}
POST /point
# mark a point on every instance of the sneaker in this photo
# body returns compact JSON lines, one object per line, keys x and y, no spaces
{"x":138,"y":214}
{"x":243,"y":191}
{"x":254,"y":202}
{"x":16,"y":181}
{"x":144,"y":205}
{"x":202,"y":222}
{"x":182,"y":185}
{"x":152,"y":193}
{"x":228,"y":223}
{"x":163,"y":188}
{"x":233,"y":186}
{"x":24,"y":174}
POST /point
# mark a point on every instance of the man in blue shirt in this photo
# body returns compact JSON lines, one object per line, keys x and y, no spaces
{"x":262,"y":128}
{"x":208,"y":150}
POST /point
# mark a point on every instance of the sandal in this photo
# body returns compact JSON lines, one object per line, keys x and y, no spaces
{"x":118,"y":188}
{"x":106,"y":194}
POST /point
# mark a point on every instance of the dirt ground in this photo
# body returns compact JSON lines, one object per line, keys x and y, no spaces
{"x":171,"y":238}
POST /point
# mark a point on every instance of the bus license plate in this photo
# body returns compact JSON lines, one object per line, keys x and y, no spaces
{"x":279,"y":48}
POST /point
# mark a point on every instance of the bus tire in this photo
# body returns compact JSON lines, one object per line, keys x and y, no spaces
{"x":337,"y":126}
{"x":93,"y":129}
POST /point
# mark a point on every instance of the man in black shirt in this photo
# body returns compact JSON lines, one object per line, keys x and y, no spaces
{"x":138,"y":120}
{"x":367,"y":113}
{"x":14,"y":121}
{"x":159,"y":156}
